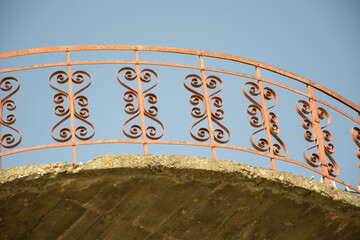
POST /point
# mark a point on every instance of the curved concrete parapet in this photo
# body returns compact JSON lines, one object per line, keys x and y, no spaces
{"x":170,"y":197}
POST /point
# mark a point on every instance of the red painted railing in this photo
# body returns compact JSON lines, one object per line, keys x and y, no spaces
{"x":204,"y":89}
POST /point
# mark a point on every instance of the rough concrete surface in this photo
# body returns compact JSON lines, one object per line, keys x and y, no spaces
{"x":170,"y":197}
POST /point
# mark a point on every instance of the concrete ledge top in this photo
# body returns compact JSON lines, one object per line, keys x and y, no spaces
{"x":154,"y":162}
{"x":170,"y":197}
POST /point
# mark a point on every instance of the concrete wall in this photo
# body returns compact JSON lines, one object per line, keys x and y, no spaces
{"x":170,"y":197}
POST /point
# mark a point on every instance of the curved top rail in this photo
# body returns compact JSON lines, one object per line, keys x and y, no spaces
{"x":185,"y":51}
{"x":74,"y":129}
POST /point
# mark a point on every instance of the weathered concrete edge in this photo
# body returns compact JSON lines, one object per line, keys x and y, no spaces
{"x":35,"y":171}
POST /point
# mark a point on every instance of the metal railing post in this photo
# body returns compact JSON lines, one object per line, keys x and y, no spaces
{"x":71,"y":106}
{"x":207,"y":106}
{"x":315,"y":124}
{"x":141,"y":103}
{"x":355,"y":135}
{"x":1,"y":106}
{"x":265,"y":118}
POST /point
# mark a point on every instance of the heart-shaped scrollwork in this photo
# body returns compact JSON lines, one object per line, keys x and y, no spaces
{"x":62,"y":98}
{"x":10,"y":137}
{"x":194,"y":84}
{"x":251,"y":91}
{"x":131,"y":97}
{"x":312,"y":157}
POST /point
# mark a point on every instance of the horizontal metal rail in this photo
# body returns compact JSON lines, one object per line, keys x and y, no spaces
{"x":215,"y":135}
{"x":183,"y":51}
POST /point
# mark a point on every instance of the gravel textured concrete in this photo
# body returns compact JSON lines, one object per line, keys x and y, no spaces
{"x":170,"y":197}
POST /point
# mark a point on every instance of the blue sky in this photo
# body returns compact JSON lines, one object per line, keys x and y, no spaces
{"x":318,"y":40}
{"x":315,"y":39}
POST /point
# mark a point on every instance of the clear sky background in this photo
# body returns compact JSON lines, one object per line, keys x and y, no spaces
{"x":319,"y":40}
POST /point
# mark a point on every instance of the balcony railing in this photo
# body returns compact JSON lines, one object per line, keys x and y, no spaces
{"x":198,"y":89}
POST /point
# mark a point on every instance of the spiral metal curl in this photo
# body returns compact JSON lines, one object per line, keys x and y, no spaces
{"x":355,"y":135}
{"x":313,"y":159}
{"x":221,"y":134}
{"x":131,"y":107}
{"x":194,"y":84}
{"x":270,"y":94}
{"x":10,"y":85}
{"x":62,"y":109}
{"x":251,"y":90}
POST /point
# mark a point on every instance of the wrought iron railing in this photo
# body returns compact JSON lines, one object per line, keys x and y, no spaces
{"x":204,"y":90}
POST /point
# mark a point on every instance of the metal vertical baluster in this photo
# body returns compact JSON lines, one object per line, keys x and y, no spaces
{"x":355,"y":134}
{"x":358,"y":162}
{"x":71,"y":106}
{"x":207,"y":106}
{"x":318,"y":134}
{"x":140,"y":100}
{"x":10,"y":118}
{"x":265,"y":118}
{"x":1,"y":108}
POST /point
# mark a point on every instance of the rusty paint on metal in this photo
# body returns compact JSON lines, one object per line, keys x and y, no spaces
{"x":265,"y":118}
{"x":267,"y":121}
{"x":69,"y":137}
{"x":8,"y":140}
{"x":140,"y":100}
{"x":207,"y":106}
{"x":69,"y":111}
{"x":71,"y":106}
{"x":212,"y":114}
{"x":130,"y":95}
{"x":318,"y":135}
{"x":355,"y":135}
{"x":184,"y":51}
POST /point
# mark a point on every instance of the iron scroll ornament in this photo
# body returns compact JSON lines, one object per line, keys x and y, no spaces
{"x":11,"y":85}
{"x":131,"y":107}
{"x":313,"y":159}
{"x":222,"y":134}
{"x":62,"y":109}
{"x":256,"y":121}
